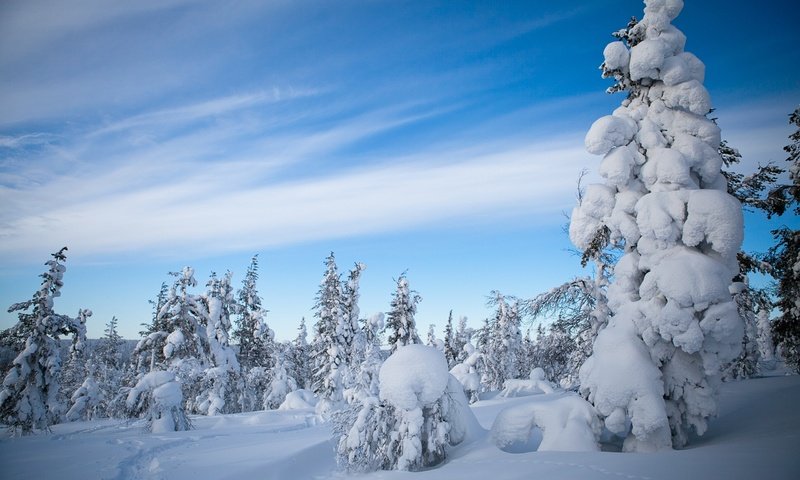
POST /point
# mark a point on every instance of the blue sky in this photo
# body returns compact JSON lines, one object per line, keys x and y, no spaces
{"x":442,"y":138}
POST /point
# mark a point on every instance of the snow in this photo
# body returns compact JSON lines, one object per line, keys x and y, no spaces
{"x":608,"y":132}
{"x":298,"y":400}
{"x":566,"y":421}
{"x":535,"y":385}
{"x":755,"y":435}
{"x":413,"y":376}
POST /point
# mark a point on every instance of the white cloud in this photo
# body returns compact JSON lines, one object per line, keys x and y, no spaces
{"x":218,"y":210}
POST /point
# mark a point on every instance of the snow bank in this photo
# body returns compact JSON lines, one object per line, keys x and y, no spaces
{"x":567,"y":422}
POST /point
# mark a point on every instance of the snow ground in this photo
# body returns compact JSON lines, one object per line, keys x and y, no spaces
{"x":757,"y":435}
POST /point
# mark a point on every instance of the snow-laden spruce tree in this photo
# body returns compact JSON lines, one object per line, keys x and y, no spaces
{"x":281,"y":385}
{"x":784,"y":257}
{"x":29,"y":398}
{"x":178,"y":341}
{"x":654,"y":368}
{"x":110,"y":370}
{"x":351,"y":326}
{"x":419,"y":413}
{"x":256,"y":345}
{"x":400,"y":319}
{"x":297,"y":356}
{"x":450,"y":346}
{"x":502,"y":343}
{"x":88,"y":400}
{"x":222,"y":380}
{"x":157,"y":397}
{"x":329,"y":349}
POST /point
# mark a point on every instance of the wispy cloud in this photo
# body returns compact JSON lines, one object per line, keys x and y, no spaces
{"x":212,"y":212}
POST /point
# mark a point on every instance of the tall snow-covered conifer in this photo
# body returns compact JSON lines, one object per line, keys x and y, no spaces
{"x":29,"y":398}
{"x":329,"y":350}
{"x":654,"y":368}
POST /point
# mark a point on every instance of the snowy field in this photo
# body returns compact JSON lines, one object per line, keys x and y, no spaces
{"x":757,"y":435}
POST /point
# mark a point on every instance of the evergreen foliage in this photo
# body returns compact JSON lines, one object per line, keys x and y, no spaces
{"x":29,"y":398}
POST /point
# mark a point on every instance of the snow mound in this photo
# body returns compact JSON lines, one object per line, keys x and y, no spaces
{"x":413,"y":376}
{"x":567,"y":422}
{"x":535,"y":385}
{"x":298,"y":400}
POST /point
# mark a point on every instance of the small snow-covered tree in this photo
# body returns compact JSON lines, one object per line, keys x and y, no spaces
{"x":157,"y":397}
{"x":654,"y":368}
{"x":297,"y":356}
{"x":110,"y":369}
{"x":29,"y":398}
{"x":281,"y":385}
{"x":88,"y":400}
{"x":502,"y":342}
{"x":450,"y":344}
{"x":400,"y":319}
{"x":420,"y":412}
{"x":463,"y":336}
{"x":329,"y":350}
{"x":553,"y":352}
{"x":470,"y":371}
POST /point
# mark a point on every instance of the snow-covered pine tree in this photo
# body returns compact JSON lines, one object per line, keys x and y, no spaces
{"x":256,"y":341}
{"x":350,"y":329}
{"x":665,"y":204}
{"x":297,"y":357}
{"x":182,"y":347}
{"x":222,"y":383}
{"x":784,"y":257}
{"x":553,"y":352}
{"x":281,"y":384}
{"x":29,"y":398}
{"x":432,"y":341}
{"x":110,"y":369}
{"x":88,"y":399}
{"x":400,"y":319}
{"x":463,"y":337}
{"x":450,"y":344}
{"x":74,"y":372}
{"x":329,"y":350}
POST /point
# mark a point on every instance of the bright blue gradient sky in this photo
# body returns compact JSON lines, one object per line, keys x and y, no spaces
{"x":442,"y":138}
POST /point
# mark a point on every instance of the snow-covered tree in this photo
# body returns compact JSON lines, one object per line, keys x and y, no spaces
{"x":554,"y":352}
{"x":256,"y":340}
{"x":88,"y":400}
{"x":297,"y":356}
{"x":654,"y":369}
{"x":351,"y":328}
{"x":281,"y":385}
{"x":182,"y":345}
{"x":450,"y":343}
{"x":463,"y":337}
{"x":501,"y":342}
{"x":110,"y":369}
{"x":222,"y":380}
{"x":470,"y":371}
{"x":784,"y":257}
{"x":420,"y":412}
{"x":367,"y":381}
{"x":329,"y":350}
{"x":157,"y":397}
{"x":400,"y":319}
{"x":29,"y":398}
